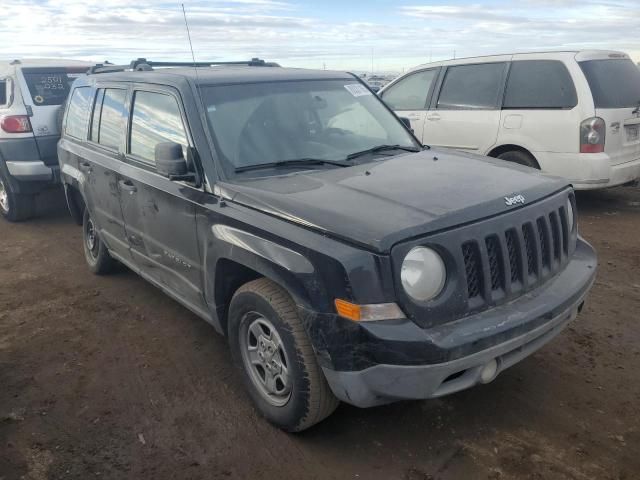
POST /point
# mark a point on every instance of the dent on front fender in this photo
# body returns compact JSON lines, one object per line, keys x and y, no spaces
{"x":284,"y":257}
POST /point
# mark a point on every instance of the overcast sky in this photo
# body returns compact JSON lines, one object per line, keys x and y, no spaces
{"x":338,"y":34}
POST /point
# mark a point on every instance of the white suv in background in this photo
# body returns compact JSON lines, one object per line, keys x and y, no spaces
{"x":573,"y":114}
{"x":32,"y":94}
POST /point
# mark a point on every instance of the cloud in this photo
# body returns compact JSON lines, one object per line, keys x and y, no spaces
{"x":396,"y":35}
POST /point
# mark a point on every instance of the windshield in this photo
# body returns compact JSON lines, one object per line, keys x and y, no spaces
{"x":614,"y":83}
{"x":50,"y":86}
{"x":263,"y":123}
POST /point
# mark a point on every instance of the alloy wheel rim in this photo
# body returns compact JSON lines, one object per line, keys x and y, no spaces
{"x":4,"y":198}
{"x":265,"y":359}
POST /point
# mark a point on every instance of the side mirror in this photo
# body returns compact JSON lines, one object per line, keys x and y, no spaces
{"x":407,"y":123}
{"x":170,"y":160}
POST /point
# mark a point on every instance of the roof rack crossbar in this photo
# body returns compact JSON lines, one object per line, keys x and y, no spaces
{"x":142,"y":64}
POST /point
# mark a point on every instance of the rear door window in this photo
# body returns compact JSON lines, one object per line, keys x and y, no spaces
{"x":411,"y":93}
{"x":49,"y":87}
{"x":539,"y":84}
{"x":112,"y":117}
{"x":78,"y":113}
{"x":472,"y":86}
{"x":155,"y":119}
{"x":614,"y":83}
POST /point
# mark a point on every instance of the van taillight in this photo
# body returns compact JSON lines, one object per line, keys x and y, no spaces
{"x":592,"y":133}
{"x":15,"y":124}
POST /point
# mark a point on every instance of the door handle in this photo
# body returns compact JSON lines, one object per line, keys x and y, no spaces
{"x":85,"y":167}
{"x":127,"y":186}
{"x":433,"y":117}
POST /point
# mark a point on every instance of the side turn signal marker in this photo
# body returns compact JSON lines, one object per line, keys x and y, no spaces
{"x":347,"y":309}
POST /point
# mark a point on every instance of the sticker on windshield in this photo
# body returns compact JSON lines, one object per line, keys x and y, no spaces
{"x":357,"y":90}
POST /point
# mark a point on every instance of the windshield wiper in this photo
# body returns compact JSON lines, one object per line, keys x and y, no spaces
{"x":297,"y":162}
{"x":381,"y":148}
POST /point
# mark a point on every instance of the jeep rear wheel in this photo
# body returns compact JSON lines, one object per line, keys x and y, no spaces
{"x":271,"y":347}
{"x":95,"y":251}
{"x":14,"y":206}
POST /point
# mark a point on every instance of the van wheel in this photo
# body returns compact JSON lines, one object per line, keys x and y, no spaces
{"x":271,"y":347}
{"x":95,"y":251}
{"x":15,"y":207}
{"x":520,"y":157}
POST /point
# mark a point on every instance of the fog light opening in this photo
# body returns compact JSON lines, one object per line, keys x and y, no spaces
{"x":489,"y":371}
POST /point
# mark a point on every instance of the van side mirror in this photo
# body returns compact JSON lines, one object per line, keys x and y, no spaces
{"x":407,"y":123}
{"x":170,"y":160}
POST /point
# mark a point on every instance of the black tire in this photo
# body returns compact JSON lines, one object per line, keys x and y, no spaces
{"x":520,"y":157}
{"x":95,"y":251}
{"x":15,"y":207}
{"x":310,"y":399}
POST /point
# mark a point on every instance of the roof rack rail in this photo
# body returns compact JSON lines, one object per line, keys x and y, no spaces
{"x":142,"y":64}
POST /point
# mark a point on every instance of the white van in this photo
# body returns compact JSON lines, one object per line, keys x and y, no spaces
{"x":32,"y":94}
{"x":573,"y":114}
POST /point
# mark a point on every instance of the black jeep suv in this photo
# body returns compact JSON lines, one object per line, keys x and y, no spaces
{"x":293,"y":211}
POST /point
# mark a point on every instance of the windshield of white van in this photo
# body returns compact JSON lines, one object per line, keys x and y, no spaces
{"x":279,"y":124}
{"x":49,"y":86}
{"x":614,"y":83}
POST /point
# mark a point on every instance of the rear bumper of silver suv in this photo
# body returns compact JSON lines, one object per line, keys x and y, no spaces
{"x":33,"y":171}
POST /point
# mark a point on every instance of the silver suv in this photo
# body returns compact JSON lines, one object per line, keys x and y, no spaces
{"x":31,"y":95}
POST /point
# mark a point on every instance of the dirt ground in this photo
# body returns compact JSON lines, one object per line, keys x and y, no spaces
{"x":106,"y":377}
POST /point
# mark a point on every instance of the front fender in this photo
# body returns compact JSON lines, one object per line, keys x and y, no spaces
{"x":266,"y":257}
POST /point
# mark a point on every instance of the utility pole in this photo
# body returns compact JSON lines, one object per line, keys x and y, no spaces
{"x":454,"y":53}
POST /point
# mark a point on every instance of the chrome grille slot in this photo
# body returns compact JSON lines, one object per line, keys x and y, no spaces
{"x":512,"y":248}
{"x":473,"y":268}
{"x":544,"y":246}
{"x":496,"y":267}
{"x":529,"y":242}
{"x":555,"y":232}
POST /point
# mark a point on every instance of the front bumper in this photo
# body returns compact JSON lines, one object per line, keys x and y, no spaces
{"x":34,"y":171}
{"x":403,"y":361}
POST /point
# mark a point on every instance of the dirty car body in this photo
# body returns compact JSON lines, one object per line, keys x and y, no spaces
{"x":515,"y":269}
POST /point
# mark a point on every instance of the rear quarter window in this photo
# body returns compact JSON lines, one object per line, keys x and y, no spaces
{"x":78,"y":113}
{"x":614,"y":83}
{"x":539,"y":84}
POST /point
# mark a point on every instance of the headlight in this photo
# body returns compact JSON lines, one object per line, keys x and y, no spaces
{"x":570,"y":215}
{"x":423,"y":273}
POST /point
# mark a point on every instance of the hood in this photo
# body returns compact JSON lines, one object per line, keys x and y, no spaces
{"x":381,"y":203}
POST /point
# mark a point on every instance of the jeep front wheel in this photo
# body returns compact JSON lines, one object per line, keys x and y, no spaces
{"x":271,"y":347}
